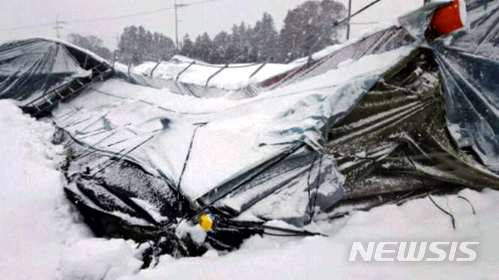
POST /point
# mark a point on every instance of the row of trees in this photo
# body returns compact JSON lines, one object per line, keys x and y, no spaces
{"x":138,"y":44}
{"x":243,"y":44}
{"x":308,"y":28}
{"x":91,"y":43}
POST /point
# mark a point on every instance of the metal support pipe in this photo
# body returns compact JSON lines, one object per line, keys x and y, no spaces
{"x":214,"y":74}
{"x":129,"y":68}
{"x":358,"y":12}
{"x":85,"y":64}
{"x":258,"y":70}
{"x":185,"y":69}
{"x":152,"y":71}
{"x":114,"y":58}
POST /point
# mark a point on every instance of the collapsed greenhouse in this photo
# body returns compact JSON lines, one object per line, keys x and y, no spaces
{"x":391,"y":116}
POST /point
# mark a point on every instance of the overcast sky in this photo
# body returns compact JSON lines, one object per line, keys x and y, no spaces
{"x":211,"y":17}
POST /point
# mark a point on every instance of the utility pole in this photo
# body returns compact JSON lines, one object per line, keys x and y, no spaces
{"x":58,"y":26}
{"x":349,"y":15}
{"x":117,"y":38}
{"x":177,"y":6}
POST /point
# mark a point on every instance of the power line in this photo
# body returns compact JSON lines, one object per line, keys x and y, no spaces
{"x":122,"y":16}
{"x":100,"y":35}
{"x":108,"y":18}
{"x":28,"y":27}
{"x":350,"y":15}
{"x":177,"y":21}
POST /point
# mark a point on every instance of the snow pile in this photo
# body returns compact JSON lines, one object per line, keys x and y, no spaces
{"x":327,"y":257}
{"x":36,"y":218}
{"x":42,"y":239}
{"x":41,"y":234}
{"x":100,"y":259}
{"x":194,"y":231}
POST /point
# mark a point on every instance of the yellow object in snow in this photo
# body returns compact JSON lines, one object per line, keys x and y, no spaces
{"x":205,"y":222}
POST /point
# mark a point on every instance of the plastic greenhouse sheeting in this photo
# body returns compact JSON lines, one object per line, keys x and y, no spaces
{"x":235,"y":153}
{"x":469,"y":61}
{"x":207,"y":148}
{"x":226,"y":140}
{"x":31,"y":67}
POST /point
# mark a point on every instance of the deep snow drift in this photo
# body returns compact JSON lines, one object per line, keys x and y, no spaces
{"x":327,"y":258}
{"x":42,"y":238}
{"x":35,"y":217}
{"x":38,"y":223}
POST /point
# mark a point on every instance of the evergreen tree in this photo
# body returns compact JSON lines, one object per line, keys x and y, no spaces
{"x":233,"y":49}
{"x":187,"y":46}
{"x":264,"y":39}
{"x":220,"y":44}
{"x":207,"y":47}
{"x":203,"y":48}
{"x":240,"y":40}
{"x":309,"y":28}
{"x":138,"y":45}
{"x":162,"y":46}
{"x":91,"y":43}
{"x":289,"y":37}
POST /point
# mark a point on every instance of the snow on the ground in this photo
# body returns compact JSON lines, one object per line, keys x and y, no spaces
{"x":95,"y":258}
{"x":327,"y":257}
{"x":35,"y":220}
{"x":37,"y":223}
{"x":42,"y":237}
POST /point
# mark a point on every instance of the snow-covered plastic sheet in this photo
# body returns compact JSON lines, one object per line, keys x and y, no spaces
{"x":228,"y":141}
{"x":379,"y":42}
{"x":250,"y":148}
{"x":232,"y":77}
{"x":31,"y":67}
{"x":265,"y":153}
{"x":202,"y":80}
{"x":469,"y":61}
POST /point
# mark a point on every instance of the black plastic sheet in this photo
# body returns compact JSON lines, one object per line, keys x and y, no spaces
{"x":469,"y":63}
{"x":31,"y":67}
